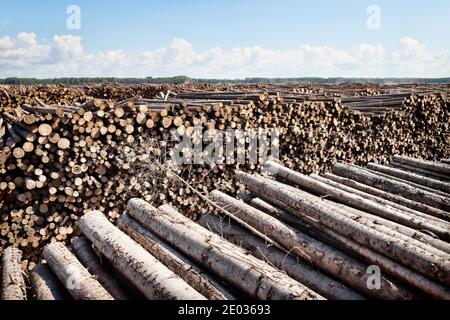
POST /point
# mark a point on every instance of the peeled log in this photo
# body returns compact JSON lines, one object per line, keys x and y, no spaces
{"x":416,"y":258}
{"x":146,"y":273}
{"x":296,"y":269}
{"x":193,"y":276}
{"x":393,"y":186}
{"x":86,"y":254}
{"x":319,"y":254}
{"x":359,"y":202}
{"x":45,"y":285}
{"x":78,"y":281}
{"x":13,"y":283}
{"x":253,"y":276}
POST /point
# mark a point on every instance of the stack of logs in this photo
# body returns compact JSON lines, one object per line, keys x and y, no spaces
{"x":356,"y":233}
{"x":63,"y":154}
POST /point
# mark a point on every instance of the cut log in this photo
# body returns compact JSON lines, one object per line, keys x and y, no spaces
{"x":328,"y":259}
{"x":296,"y":269}
{"x":176,"y":262}
{"x":440,"y":214}
{"x":13,"y":282}
{"x":88,"y":257}
{"x":428,"y":165}
{"x":254,"y":277}
{"x":45,"y":285}
{"x":150,"y":276}
{"x":393,"y":186}
{"x":428,"y":182}
{"x":77,"y":280}
{"x":354,"y":200}
{"x":415,"y":258}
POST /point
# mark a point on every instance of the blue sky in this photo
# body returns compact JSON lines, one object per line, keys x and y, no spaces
{"x":133,"y":38}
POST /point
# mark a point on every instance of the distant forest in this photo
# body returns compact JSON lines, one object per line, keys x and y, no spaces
{"x":186,"y":80}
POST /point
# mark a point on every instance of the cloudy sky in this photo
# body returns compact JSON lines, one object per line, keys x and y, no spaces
{"x":225,"y":38}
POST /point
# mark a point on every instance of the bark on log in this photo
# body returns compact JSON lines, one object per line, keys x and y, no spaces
{"x":77,"y":280}
{"x":296,"y":269}
{"x":255,"y":277}
{"x":45,"y":285}
{"x":359,"y":202}
{"x":428,"y":165}
{"x":149,"y":275}
{"x":393,"y":186}
{"x":328,"y":259}
{"x":87,"y":256}
{"x":434,"y":212}
{"x":391,"y":267}
{"x":13,"y":282}
{"x":413,"y":257}
{"x":176,"y":262}
{"x":428,"y":182}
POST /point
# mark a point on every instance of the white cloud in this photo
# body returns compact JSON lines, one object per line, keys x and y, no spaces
{"x":26,"y":56}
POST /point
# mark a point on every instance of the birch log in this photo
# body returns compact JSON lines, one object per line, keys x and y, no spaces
{"x":319,"y":254}
{"x":254,"y":277}
{"x":176,"y":262}
{"x":416,"y":258}
{"x":77,"y":280}
{"x":146,"y":273}
{"x":45,"y":285}
{"x":13,"y":282}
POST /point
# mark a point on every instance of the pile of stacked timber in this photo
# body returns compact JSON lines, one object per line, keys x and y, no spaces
{"x":381,"y":232}
{"x":63,"y":154}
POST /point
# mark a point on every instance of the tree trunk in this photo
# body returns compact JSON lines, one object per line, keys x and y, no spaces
{"x":13,"y":283}
{"x":88,"y":257}
{"x":149,"y":275}
{"x":254,"y":277}
{"x":436,"y":213}
{"x":393,"y":186}
{"x":78,"y":281}
{"x":428,"y":165}
{"x":45,"y":285}
{"x":358,"y":201}
{"x":391,"y":267}
{"x":416,"y":258}
{"x":176,"y":262}
{"x":428,"y":182}
{"x":296,"y":269}
{"x":319,"y":254}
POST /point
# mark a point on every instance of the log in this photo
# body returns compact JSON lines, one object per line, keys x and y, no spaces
{"x":176,"y":262}
{"x":393,"y":186}
{"x":427,"y":165}
{"x":254,"y":277}
{"x":45,"y":285}
{"x":320,"y":255}
{"x":88,"y":257}
{"x":354,"y":200}
{"x":428,"y":182}
{"x":415,"y":258}
{"x":150,"y":276}
{"x":76,"y":278}
{"x":440,"y":214}
{"x":13,"y":282}
{"x":391,"y":267}
{"x":296,"y":269}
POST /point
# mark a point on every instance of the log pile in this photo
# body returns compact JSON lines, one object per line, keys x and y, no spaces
{"x":65,"y":151}
{"x":311,"y":237}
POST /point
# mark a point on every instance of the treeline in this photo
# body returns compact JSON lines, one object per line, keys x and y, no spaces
{"x":185,"y":80}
